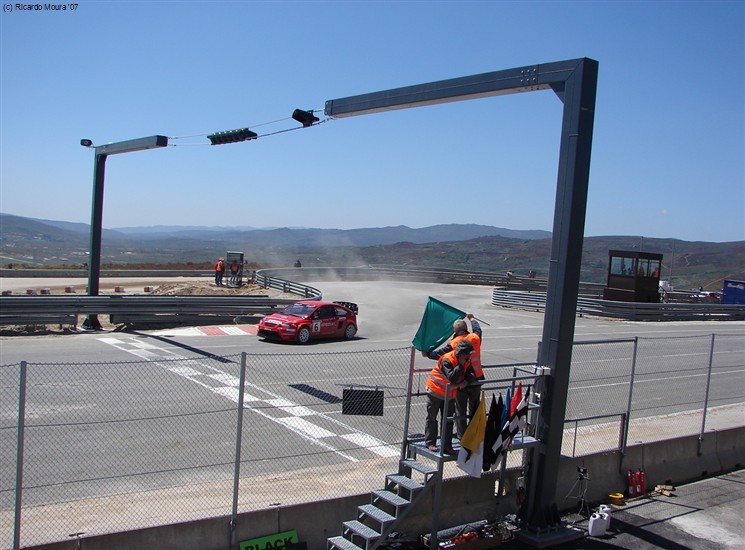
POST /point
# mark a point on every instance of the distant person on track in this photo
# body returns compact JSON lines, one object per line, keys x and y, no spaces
{"x":219,"y":271}
{"x":466,"y":400}
{"x":235,"y":268}
{"x":452,"y":368}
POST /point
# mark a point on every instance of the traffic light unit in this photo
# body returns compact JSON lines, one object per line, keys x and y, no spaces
{"x":232,"y":136}
{"x":306,"y":118}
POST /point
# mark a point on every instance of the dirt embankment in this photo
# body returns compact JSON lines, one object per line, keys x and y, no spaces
{"x":206,"y":288}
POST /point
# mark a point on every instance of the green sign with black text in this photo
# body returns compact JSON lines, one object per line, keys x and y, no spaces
{"x":280,"y":540}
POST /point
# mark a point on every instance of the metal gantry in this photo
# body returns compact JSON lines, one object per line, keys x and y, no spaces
{"x":574,"y":82}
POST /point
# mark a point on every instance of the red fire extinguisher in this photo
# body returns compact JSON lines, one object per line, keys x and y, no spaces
{"x":631,"y":482}
{"x":641,"y":482}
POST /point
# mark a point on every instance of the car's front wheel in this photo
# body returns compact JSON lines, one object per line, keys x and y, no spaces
{"x":303,"y":335}
{"x":350,"y":331}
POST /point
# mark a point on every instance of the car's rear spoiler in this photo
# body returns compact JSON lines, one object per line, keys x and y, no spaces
{"x":349,"y":305}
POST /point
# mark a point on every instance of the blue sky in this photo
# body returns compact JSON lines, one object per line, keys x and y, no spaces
{"x":668,"y":154}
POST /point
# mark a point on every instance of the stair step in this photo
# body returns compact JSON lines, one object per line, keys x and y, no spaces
{"x":420,"y":449}
{"x":362,"y":530}
{"x":420,"y":467}
{"x":405,"y":482}
{"x":391,"y":498}
{"x":342,"y":544}
{"x":372,"y":511}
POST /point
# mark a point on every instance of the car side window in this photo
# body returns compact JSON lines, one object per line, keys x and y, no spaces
{"x":340,"y":312}
{"x":325,"y":312}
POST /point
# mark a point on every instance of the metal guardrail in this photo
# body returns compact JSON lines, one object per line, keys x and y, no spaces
{"x":512,"y":291}
{"x":42,"y":319}
{"x":264,"y":280}
{"x":383,"y":273}
{"x":71,"y":273}
{"x":37,"y":310}
{"x":32,"y":310}
{"x":424,"y":275}
{"x":632,"y":311}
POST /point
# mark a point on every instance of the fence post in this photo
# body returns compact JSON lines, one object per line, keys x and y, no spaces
{"x":627,"y":420}
{"x":706,"y":396}
{"x":407,"y":415}
{"x":238,"y":440}
{"x":621,"y":431}
{"x":574,"y":445}
{"x":19,"y":457}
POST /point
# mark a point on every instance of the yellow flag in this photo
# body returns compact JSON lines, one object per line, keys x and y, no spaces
{"x":471,"y":454}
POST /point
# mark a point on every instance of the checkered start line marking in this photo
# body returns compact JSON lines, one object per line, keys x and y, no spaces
{"x":317,"y":428}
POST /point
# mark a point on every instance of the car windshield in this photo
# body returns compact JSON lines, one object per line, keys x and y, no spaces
{"x":299,"y":310}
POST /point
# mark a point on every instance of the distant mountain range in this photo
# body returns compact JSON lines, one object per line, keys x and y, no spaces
{"x":304,"y":236}
{"x":34,"y":242}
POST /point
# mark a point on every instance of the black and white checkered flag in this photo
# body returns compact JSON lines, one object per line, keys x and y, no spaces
{"x":516,"y":422}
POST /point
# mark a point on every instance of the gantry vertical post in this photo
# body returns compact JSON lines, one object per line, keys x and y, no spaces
{"x":99,"y":169}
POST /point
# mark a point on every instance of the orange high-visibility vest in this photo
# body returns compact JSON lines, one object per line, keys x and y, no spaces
{"x":476,"y":355}
{"x":437,"y":381}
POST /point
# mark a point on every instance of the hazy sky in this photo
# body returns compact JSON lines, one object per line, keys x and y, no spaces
{"x":668,"y":155}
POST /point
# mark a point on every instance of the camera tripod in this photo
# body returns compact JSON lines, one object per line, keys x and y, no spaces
{"x":579,"y":491}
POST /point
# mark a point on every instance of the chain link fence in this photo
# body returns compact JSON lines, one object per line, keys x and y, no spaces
{"x":96,"y":448}
{"x":106,"y":447}
{"x":647,"y":389}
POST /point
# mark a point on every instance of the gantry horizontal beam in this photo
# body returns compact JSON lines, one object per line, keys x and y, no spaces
{"x":131,"y":145}
{"x":510,"y":81}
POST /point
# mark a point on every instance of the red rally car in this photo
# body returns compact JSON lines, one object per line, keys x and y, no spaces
{"x":310,"y":319}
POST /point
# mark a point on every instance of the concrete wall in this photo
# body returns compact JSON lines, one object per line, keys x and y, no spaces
{"x":674,"y":460}
{"x":464,"y":500}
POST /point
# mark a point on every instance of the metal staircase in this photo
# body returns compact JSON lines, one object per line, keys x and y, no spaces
{"x":420,"y":472}
{"x":389,"y":506}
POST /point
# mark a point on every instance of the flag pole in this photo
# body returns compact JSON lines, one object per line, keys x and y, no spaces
{"x":480,"y":321}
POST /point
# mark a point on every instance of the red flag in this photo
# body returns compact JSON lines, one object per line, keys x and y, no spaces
{"x":516,"y":398}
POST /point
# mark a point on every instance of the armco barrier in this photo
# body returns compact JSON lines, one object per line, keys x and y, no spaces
{"x":123,"y":309}
{"x":364,"y":273}
{"x":40,"y":309}
{"x":517,"y":292}
{"x":630,"y":311}
{"x":169,"y":309}
{"x":83,"y":274}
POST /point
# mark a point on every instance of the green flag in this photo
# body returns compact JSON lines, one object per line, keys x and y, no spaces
{"x":436,"y":325}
